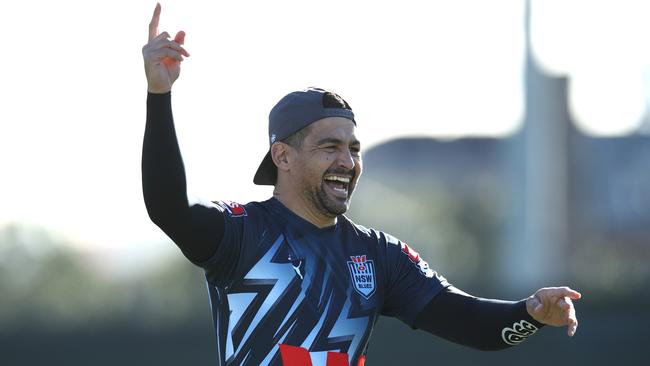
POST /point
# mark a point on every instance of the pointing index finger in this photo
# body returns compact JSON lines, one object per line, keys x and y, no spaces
{"x":571,"y":293}
{"x":558,"y":292}
{"x":153,"y":25}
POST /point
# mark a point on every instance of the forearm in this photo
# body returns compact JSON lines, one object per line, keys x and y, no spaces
{"x":163,"y":174}
{"x":475,"y":322}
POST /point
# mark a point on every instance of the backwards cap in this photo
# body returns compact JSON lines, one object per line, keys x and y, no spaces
{"x":294,"y":112}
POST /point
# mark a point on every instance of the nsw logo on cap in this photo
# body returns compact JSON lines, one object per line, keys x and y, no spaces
{"x":273,"y":137}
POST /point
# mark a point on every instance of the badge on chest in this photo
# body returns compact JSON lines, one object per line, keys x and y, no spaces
{"x":362,"y":273}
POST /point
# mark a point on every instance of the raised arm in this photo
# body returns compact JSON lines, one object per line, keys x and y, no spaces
{"x":196,"y":229}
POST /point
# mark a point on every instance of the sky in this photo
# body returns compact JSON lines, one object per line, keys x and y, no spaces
{"x":73,"y":89}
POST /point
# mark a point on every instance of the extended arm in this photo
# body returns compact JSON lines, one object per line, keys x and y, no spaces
{"x":495,"y":324}
{"x":475,"y":322}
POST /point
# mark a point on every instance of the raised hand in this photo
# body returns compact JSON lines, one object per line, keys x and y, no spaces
{"x":162,"y":56}
{"x":554,"y":306}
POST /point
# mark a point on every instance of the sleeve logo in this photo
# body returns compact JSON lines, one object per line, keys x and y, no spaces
{"x":414,"y":257}
{"x":234,"y":209}
{"x":518,"y":333}
{"x":362,"y":273}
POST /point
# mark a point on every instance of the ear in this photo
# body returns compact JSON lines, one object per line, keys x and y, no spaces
{"x":281,"y":154}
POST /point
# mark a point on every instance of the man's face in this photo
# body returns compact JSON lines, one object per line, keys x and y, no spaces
{"x":328,"y":165}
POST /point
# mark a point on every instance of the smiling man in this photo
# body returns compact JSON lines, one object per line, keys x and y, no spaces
{"x":314,"y":160}
{"x":292,"y":280}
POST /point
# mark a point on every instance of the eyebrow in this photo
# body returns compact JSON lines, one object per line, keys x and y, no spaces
{"x":332,"y":140}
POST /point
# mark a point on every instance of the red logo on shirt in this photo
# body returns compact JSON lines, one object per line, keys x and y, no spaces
{"x":412,"y":254}
{"x":298,"y":356}
{"x":420,"y":263}
{"x":233,"y":208}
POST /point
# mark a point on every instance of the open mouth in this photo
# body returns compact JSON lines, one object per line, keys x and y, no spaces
{"x":338,"y":185}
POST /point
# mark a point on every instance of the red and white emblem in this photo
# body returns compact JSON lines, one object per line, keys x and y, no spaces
{"x":362,"y":273}
{"x":414,"y":257}
{"x":233,"y":208}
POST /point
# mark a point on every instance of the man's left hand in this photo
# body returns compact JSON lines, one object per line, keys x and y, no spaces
{"x":554,"y":306}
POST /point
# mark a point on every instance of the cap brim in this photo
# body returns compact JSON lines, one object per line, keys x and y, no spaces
{"x":267,"y":173}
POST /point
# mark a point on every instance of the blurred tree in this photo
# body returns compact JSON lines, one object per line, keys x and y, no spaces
{"x":46,"y":284}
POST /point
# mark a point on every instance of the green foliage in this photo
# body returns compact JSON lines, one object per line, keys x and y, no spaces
{"x":46,"y":284}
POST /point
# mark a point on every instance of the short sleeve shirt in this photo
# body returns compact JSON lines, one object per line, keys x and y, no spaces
{"x":277,"y":280}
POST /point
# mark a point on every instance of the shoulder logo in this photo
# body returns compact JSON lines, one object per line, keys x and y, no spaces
{"x":234,"y":209}
{"x":362,"y":273}
{"x":414,"y":257}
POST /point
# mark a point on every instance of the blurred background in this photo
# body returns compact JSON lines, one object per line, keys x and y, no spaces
{"x":507,"y":141}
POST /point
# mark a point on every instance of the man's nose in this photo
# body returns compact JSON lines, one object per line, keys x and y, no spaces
{"x":345,"y":159}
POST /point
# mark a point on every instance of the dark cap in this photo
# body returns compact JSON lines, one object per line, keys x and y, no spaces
{"x":294,"y":112}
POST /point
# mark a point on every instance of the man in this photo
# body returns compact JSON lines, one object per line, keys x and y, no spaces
{"x":293,"y":281}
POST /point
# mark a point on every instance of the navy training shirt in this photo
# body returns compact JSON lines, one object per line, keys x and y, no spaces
{"x":283,"y":290}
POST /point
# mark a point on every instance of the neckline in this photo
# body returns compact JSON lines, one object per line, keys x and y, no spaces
{"x":296,"y":219}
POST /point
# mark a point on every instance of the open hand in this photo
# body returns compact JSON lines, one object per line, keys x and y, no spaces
{"x":554,"y":306}
{"x":162,"y":56}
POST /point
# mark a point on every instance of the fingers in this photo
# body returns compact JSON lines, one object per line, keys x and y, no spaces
{"x":161,"y":45}
{"x":568,"y":292}
{"x":166,"y":53}
{"x":572,"y":326}
{"x":572,"y":321}
{"x":153,"y":25}
{"x":161,"y":36}
{"x":557,"y":292}
{"x":172,"y":45}
{"x":573,"y":294}
{"x":180,"y":37}
{"x":566,"y":305}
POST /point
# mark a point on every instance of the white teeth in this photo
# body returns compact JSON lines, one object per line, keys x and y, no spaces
{"x":338,"y":179}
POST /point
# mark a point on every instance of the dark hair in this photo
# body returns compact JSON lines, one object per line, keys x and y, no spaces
{"x":295,"y":140}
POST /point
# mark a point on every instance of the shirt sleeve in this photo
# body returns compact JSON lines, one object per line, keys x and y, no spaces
{"x":411,"y":284}
{"x":241,"y":228}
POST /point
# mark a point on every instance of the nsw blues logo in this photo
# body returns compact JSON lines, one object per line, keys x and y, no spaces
{"x":362,"y":272}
